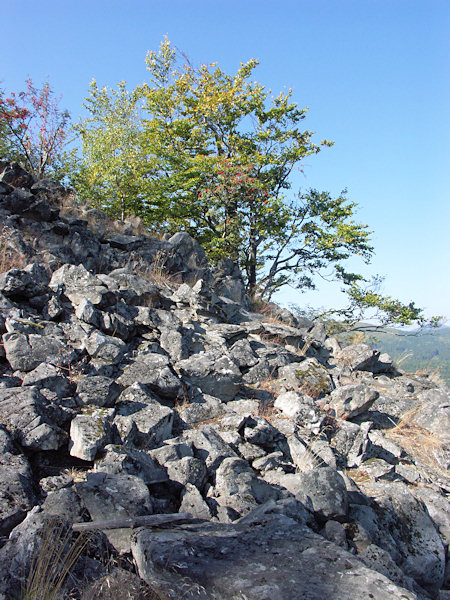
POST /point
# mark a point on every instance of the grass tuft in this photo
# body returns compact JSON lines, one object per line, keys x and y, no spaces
{"x":56,"y":554}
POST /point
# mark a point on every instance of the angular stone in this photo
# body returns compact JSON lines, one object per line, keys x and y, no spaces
{"x":143,"y":425}
{"x":104,"y":348}
{"x":301,"y":563}
{"x":115,"y":496}
{"x":16,"y":486}
{"x":351,"y":400}
{"x":193,"y":503}
{"x":308,"y":377}
{"x":187,"y":471}
{"x":80,"y":285}
{"x":415,"y":535}
{"x":258,"y":431}
{"x":15,"y":175}
{"x":24,"y":283}
{"x":328,"y":493}
{"x":209,"y":446}
{"x":358,"y":357}
{"x":31,"y":419}
{"x":49,"y":377}
{"x":218,"y":377}
{"x":153,"y":370}
{"x":90,"y":432}
{"x":139,"y":463}
{"x":86,"y":312}
{"x":26,"y":352}
{"x":97,"y":390}
{"x":237,"y":487}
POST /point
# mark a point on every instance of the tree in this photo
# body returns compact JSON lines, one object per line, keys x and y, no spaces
{"x":33,"y":129}
{"x":227,"y":149}
{"x":369,"y":311}
{"x":213,"y":154}
{"x":111,"y":173}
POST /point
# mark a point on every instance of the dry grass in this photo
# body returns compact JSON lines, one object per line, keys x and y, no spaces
{"x":358,"y":476}
{"x":53,"y":560}
{"x":421,"y":444}
{"x":77,"y":475}
{"x":9,"y":258}
{"x":120,"y":585}
{"x":156,"y":273}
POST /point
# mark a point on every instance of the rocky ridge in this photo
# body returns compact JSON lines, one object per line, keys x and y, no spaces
{"x":136,"y":381}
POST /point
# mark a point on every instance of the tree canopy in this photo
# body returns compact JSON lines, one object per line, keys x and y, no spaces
{"x":213,"y":154}
{"x":33,"y":129}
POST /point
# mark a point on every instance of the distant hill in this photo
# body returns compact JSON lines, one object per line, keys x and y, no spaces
{"x":416,"y":351}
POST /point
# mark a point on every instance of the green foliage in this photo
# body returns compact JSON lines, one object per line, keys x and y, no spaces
{"x":426,"y":350}
{"x":199,"y":150}
{"x":109,"y":175}
{"x":368,"y":310}
{"x":212,"y":154}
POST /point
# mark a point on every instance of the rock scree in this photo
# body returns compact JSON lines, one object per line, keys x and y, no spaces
{"x":137,"y":383}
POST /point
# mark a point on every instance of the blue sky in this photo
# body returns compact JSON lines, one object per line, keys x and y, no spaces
{"x":374,"y":74}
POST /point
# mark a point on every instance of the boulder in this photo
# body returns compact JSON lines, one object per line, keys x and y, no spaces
{"x":32,"y":420}
{"x":188,"y":555}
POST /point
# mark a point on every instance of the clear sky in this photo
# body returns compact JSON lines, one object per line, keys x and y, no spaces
{"x":374,"y":74}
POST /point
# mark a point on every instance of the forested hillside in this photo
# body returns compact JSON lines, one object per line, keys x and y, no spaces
{"x":428,"y":350}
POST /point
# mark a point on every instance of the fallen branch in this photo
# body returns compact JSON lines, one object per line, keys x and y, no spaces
{"x":148,"y":520}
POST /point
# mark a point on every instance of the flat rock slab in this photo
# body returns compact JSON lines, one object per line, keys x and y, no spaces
{"x":275,"y":558}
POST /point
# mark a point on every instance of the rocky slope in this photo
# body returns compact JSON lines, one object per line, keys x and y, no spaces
{"x":135,"y":381}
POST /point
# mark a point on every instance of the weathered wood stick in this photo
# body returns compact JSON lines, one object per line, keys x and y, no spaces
{"x":149,"y":520}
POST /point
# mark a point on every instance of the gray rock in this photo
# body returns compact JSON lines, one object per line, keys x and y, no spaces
{"x":80,"y":285}
{"x":218,"y":377}
{"x":153,"y":370}
{"x":358,"y":357}
{"x":172,"y":450}
{"x":115,"y":496}
{"x":437,"y":506}
{"x":117,"y":459}
{"x":104,"y":348}
{"x":335,"y":532}
{"x":38,"y":533}
{"x":49,"y":377}
{"x":188,"y":470}
{"x":328,"y":493}
{"x":351,"y":400}
{"x":202,"y":408}
{"x":237,"y":487}
{"x":173,"y":343}
{"x":86,"y":312}
{"x":26,"y":352}
{"x":377,"y":468}
{"x":242,"y":354}
{"x":15,"y":175}
{"x":16,"y":487}
{"x":308,"y":377}
{"x":64,"y":503}
{"x":433,"y":413}
{"x":379,"y":560}
{"x":278,"y":545}
{"x":97,"y":390}
{"x":193,"y":503}
{"x":143,"y":425}
{"x":209,"y":446}
{"x":190,"y":254}
{"x":90,"y":431}
{"x":24,"y":283}
{"x":258,"y":431}
{"x":31,"y":419}
{"x":416,"y":538}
